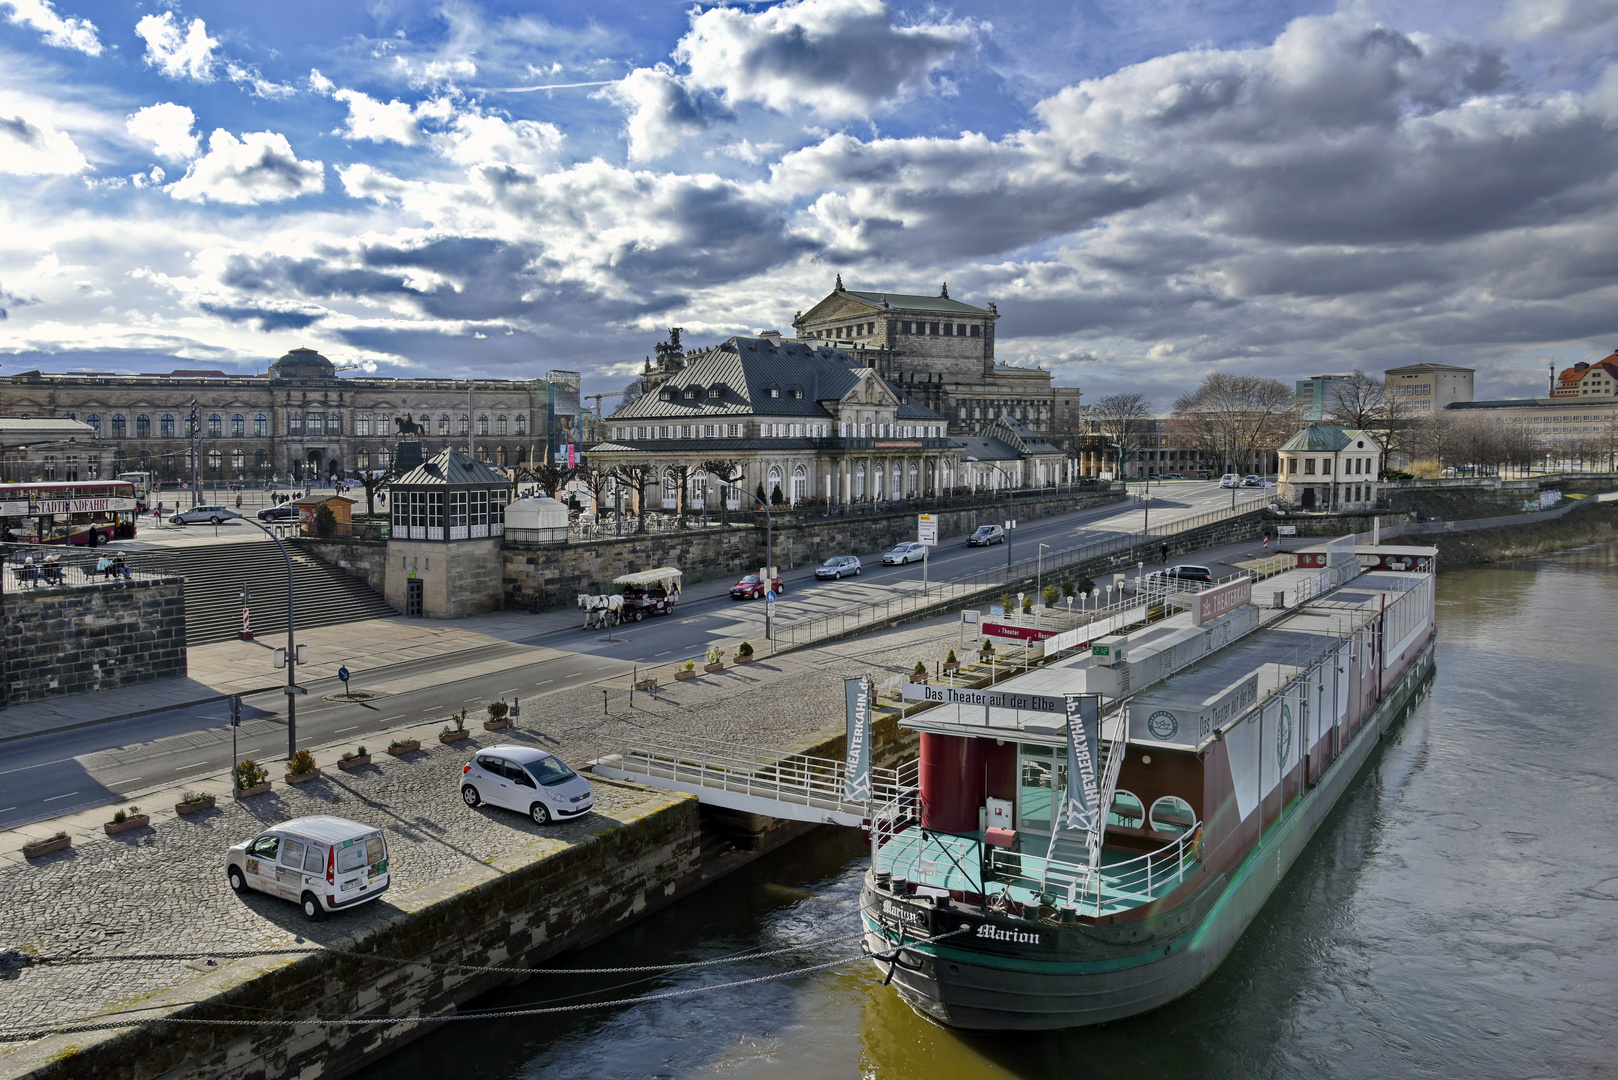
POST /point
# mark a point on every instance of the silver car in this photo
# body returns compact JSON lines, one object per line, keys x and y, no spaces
{"x":526,"y":780}
{"x":904,"y":553}
{"x":212,"y":515}
{"x":319,"y":863}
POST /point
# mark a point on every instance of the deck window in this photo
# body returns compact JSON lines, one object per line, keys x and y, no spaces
{"x":1173,"y":815}
{"x":1127,"y":810}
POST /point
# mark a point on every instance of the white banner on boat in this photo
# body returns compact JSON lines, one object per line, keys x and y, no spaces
{"x":1081,"y":803}
{"x":857,"y":763}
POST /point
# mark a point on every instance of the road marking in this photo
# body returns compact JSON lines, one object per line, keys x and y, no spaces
{"x":665,"y":652}
{"x":53,"y":798}
{"x":129,"y":780}
{"x":388,"y":719}
{"x":340,"y":730}
{"x":41,"y":765}
{"x":542,"y":682}
{"x":193,"y":765}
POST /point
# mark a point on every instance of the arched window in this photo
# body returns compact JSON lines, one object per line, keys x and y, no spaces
{"x":238,"y":425}
{"x":1172,"y":814}
{"x":500,"y":425}
{"x":362,"y":459}
{"x":859,"y":481}
{"x":443,"y":423}
{"x":314,"y":423}
{"x":774,"y":485}
{"x":118,"y":461}
{"x":238,"y":459}
{"x":261,"y":425}
{"x":216,"y":425}
{"x":915,"y":478}
{"x":483,"y":424}
{"x":671,"y":490}
{"x":94,"y":421}
{"x":500,"y":456}
{"x":334,"y":423}
{"x":261,"y":459}
{"x":143,"y":426}
{"x":165,"y":426}
{"x":1127,"y":810}
{"x":117,"y":425}
{"x":215,"y":460}
{"x":466,"y":424}
{"x":800,"y":485}
{"x":295,"y":423}
{"x":522,"y":424}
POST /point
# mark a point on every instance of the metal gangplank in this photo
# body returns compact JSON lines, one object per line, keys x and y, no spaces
{"x":796,"y":787}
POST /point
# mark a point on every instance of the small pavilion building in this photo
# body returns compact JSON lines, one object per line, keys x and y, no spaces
{"x":448,"y":521}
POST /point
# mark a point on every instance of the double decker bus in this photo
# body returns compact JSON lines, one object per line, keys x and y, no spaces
{"x":86,"y":512}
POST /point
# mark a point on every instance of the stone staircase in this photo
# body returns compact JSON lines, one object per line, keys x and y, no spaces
{"x":215,"y":573}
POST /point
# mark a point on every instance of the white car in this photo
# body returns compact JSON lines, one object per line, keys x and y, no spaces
{"x":526,"y":780}
{"x":904,"y":553}
{"x":1230,"y":480}
{"x":213,"y":515}
{"x":319,"y":863}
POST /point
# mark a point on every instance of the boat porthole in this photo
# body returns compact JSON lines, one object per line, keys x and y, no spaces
{"x":954,"y":969}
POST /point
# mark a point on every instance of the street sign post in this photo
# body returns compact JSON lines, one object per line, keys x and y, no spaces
{"x":927,"y":536}
{"x":342,"y":673}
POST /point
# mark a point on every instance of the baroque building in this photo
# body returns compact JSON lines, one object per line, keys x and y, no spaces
{"x":298,"y":421}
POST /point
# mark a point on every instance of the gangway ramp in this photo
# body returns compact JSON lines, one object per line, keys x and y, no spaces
{"x":796,"y":787}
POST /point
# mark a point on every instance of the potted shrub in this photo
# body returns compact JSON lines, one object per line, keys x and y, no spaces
{"x":401,"y":747}
{"x":1027,"y":603}
{"x":251,"y":778}
{"x":193,"y":802}
{"x":986,"y":650}
{"x":918,"y":674}
{"x":687,"y":671}
{"x":1007,"y":604}
{"x":1050,"y":595}
{"x":1086,"y":586}
{"x":716,"y":660}
{"x":744,"y":653}
{"x":124,"y":820}
{"x":33,"y":849}
{"x":951,"y":665}
{"x":456,"y":733}
{"x":301,"y":768}
{"x":499,"y":716}
{"x":353,"y":759}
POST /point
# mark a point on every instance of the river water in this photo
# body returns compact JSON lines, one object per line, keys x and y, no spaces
{"x":1457,"y":916}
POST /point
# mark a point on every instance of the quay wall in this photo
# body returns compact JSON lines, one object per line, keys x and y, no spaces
{"x":73,"y":639}
{"x":364,"y":559}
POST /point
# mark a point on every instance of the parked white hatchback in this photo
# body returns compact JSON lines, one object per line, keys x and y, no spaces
{"x":527,"y":780}
{"x":319,"y":863}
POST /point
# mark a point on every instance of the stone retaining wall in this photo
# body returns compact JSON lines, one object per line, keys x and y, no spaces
{"x":538,"y":578}
{"x":367,"y":561}
{"x":73,"y":639}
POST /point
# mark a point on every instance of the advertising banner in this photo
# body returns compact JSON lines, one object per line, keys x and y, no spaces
{"x":1080,"y":804}
{"x":857,"y":763}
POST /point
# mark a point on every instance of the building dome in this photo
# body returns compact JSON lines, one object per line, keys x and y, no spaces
{"x":302,"y":364}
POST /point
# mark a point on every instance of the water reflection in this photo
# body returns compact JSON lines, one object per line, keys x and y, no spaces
{"x":1457,"y":916}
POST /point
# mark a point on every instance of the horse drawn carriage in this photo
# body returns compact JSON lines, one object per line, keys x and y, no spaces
{"x":650,"y":592}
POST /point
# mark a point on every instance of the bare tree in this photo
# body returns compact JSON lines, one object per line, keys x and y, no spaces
{"x":634,"y":475}
{"x":1232,"y":417}
{"x":629,"y":394}
{"x":726,"y":471}
{"x":374,"y":480}
{"x":595,"y":481}
{"x":549,"y":478}
{"x":1362,"y":401}
{"x":1122,"y":418}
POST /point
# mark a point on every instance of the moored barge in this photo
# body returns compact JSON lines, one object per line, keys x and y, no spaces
{"x":1219,"y":739}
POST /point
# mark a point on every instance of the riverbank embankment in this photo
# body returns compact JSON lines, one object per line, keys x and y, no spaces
{"x":1590,"y":523}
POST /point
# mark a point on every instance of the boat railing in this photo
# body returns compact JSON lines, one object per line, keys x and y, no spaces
{"x":1095,"y":892}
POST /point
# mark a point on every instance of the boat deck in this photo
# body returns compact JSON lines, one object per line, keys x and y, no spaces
{"x":954,"y":862}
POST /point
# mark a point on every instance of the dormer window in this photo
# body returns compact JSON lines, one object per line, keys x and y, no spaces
{"x":716,"y":391}
{"x":774,"y":392}
{"x":667,"y":395}
{"x":797,"y":393}
{"x":691,"y":393}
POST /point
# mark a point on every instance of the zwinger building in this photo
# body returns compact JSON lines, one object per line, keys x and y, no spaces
{"x":299,"y":420}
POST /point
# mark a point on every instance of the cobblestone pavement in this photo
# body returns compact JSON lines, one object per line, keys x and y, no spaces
{"x":163,"y":888}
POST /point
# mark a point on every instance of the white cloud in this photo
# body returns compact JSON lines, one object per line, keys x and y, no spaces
{"x":661,"y":112}
{"x":476,"y":139}
{"x":259,"y":167}
{"x":319,"y":83}
{"x":187,"y":54}
{"x":166,"y":127}
{"x":370,"y":119}
{"x":35,"y":148}
{"x":1535,"y":19}
{"x":838,"y":57}
{"x":64,"y":32}
{"x":256,"y":83}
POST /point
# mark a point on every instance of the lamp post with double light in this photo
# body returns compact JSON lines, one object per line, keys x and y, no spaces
{"x":1011,"y":505}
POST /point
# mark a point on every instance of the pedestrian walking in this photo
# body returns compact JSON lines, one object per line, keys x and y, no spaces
{"x":1163,"y":553}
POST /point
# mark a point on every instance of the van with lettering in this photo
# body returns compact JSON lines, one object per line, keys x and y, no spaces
{"x":319,"y":863}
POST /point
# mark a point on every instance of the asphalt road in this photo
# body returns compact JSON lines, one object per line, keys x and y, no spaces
{"x":58,"y":772}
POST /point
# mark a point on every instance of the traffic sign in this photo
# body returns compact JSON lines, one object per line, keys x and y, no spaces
{"x":769,"y":596}
{"x":927,"y":529}
{"x":342,"y":673}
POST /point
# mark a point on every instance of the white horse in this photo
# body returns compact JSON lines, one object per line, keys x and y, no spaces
{"x":604,"y":610}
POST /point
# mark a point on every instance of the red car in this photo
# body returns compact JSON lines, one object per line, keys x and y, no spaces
{"x":751,"y":587}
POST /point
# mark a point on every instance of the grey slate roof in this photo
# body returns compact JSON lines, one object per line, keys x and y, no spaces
{"x":984,"y":448}
{"x":943,"y":305}
{"x":451,"y":468}
{"x":1019,"y":435}
{"x":19,"y":431}
{"x":746,"y":368}
{"x":1319,"y":438}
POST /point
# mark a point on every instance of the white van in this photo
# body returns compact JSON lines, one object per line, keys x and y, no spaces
{"x":319,"y":863}
{"x":1230,"y":480}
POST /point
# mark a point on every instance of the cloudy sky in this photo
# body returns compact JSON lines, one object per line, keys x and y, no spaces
{"x":1149,"y":191}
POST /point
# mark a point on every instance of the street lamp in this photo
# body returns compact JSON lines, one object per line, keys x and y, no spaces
{"x":1011,"y":505}
{"x":293,"y":657}
{"x":1039,"y":572}
{"x":769,"y":552}
{"x":1146,"y":516}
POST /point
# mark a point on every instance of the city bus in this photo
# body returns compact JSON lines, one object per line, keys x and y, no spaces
{"x":145,"y":483}
{"x":78,"y":512}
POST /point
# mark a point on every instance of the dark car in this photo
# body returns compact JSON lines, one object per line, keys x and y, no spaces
{"x":985,"y":535}
{"x":837,"y":566}
{"x":751,"y":587}
{"x":286,"y":512}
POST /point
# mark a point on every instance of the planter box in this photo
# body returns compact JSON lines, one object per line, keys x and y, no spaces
{"x":711,"y":668}
{"x":950,"y":669}
{"x":685,"y":676}
{"x":453,"y":736}
{"x":918,"y":679}
{"x":748,"y":659}
{"x":496,"y":725}
{"x":36,"y":848}
{"x":405,"y":748}
{"x":303,"y":778}
{"x":256,"y":789}
{"x":354,"y":762}
{"x":139,"y":821}
{"x":646,"y":684}
{"x":194,"y":807}
{"x":985,"y":657}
